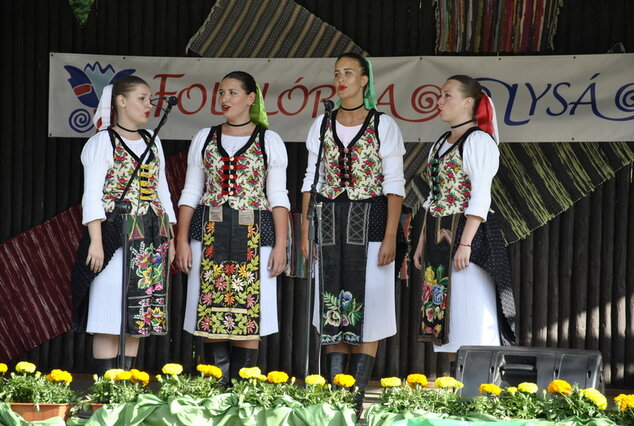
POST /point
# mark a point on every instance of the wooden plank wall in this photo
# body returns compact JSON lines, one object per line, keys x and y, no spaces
{"x":574,"y":278}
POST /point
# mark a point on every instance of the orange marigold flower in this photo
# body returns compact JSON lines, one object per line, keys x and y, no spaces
{"x":344,"y":380}
{"x":559,"y":386}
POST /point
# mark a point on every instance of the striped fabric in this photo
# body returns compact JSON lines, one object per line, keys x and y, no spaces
{"x":35,"y":269}
{"x":267,"y":29}
{"x":536,"y":181}
{"x":490,"y":26}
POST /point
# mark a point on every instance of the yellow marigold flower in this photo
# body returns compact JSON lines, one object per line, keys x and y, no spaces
{"x":140,"y":377}
{"x":512,"y":390}
{"x":528,"y":387}
{"x":417,"y":379}
{"x":250,"y":372}
{"x":390,"y":382}
{"x":3,"y":367}
{"x":209,"y":370}
{"x":124,"y":376}
{"x":559,"y":386}
{"x":448,"y":382}
{"x":159,"y":378}
{"x":24,"y":367}
{"x":112,"y":373}
{"x":59,"y":376}
{"x":344,"y":380}
{"x":490,"y":388}
{"x":315,"y":380}
{"x":624,"y":401}
{"x":596,"y":397}
{"x":261,"y":378}
{"x":172,"y":369}
{"x":277,"y":377}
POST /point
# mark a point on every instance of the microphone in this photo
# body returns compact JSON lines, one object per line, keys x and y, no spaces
{"x":328,"y":105}
{"x":171,"y":101}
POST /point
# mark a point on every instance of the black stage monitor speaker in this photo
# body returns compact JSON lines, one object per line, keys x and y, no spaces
{"x":511,"y":365}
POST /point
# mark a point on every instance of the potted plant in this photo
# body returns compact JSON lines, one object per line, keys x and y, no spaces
{"x":36,"y":396}
{"x":116,"y":386}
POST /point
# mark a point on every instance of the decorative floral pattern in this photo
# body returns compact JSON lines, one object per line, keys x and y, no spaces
{"x":228,"y":304}
{"x":148,"y":272}
{"x":450,"y":185}
{"x":435,"y":289}
{"x":365,"y":180}
{"x":142,"y":194}
{"x":341,"y":311}
{"x":248,"y":172}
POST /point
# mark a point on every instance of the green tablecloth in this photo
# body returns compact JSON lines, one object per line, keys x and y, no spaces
{"x":380,"y":416}
{"x":219,"y":410}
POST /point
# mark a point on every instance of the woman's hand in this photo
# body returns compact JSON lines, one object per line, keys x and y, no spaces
{"x":277,"y":261}
{"x":171,"y":253}
{"x":94,"y":259}
{"x":387,"y":252}
{"x":418,"y":253}
{"x":183,"y":256}
{"x":461,"y":258}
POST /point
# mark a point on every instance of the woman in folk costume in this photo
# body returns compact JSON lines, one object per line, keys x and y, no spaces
{"x":461,"y":249}
{"x":233,"y":228}
{"x":109,"y":159}
{"x":361,"y":186}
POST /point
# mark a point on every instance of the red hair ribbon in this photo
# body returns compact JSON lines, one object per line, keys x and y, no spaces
{"x":485,"y":114}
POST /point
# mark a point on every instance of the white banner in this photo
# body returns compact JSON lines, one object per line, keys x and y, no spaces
{"x":538,"y":98}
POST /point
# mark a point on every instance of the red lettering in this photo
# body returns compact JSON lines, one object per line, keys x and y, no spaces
{"x":162,"y":93}
{"x":187,"y":92}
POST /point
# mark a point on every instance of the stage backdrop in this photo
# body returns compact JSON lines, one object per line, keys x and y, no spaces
{"x":538,"y":98}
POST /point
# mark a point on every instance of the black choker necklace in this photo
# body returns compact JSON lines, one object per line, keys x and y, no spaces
{"x":237,"y":125}
{"x":127,"y":130}
{"x":462,"y":124}
{"x":351,"y":109}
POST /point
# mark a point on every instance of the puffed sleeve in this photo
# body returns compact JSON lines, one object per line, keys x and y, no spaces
{"x":481,"y":159}
{"x":195,"y":178}
{"x":97,"y":158}
{"x":391,"y":152}
{"x":163,"y":188}
{"x":312,"y":145}
{"x":277,"y":160}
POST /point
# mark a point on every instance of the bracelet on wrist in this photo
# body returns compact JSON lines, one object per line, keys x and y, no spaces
{"x":464,"y":245}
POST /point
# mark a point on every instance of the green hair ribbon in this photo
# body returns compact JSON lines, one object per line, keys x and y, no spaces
{"x":257,"y":112}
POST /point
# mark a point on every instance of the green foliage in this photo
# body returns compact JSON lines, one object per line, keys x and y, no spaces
{"x":111,"y":391}
{"x":194,"y":387}
{"x":270,"y":395}
{"x":35,"y":388}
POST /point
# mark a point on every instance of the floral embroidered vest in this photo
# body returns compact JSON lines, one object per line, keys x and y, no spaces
{"x":450,"y":185}
{"x":142,"y":194}
{"x":239,"y":179}
{"x":356,"y":168}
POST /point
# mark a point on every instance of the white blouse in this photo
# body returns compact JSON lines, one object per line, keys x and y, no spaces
{"x":391,"y":152}
{"x":97,"y":158}
{"x":277,"y":161}
{"x":480,"y":161}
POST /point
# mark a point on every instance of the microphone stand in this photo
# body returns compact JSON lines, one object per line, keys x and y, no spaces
{"x":314,"y":209}
{"x":123,"y":208}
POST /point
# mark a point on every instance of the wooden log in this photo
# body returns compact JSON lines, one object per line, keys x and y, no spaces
{"x":607,"y":277}
{"x":540,"y":293}
{"x":619,"y":294}
{"x":526,"y":295}
{"x":565,"y":276}
{"x":579,"y":284}
{"x":553,"y":283}
{"x":594,"y":271}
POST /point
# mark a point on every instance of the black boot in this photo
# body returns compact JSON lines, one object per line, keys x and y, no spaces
{"x":218,"y":354}
{"x":101,"y":365}
{"x":240,"y":358}
{"x":128,"y":362}
{"x":360,"y":367}
{"x":336,"y":363}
